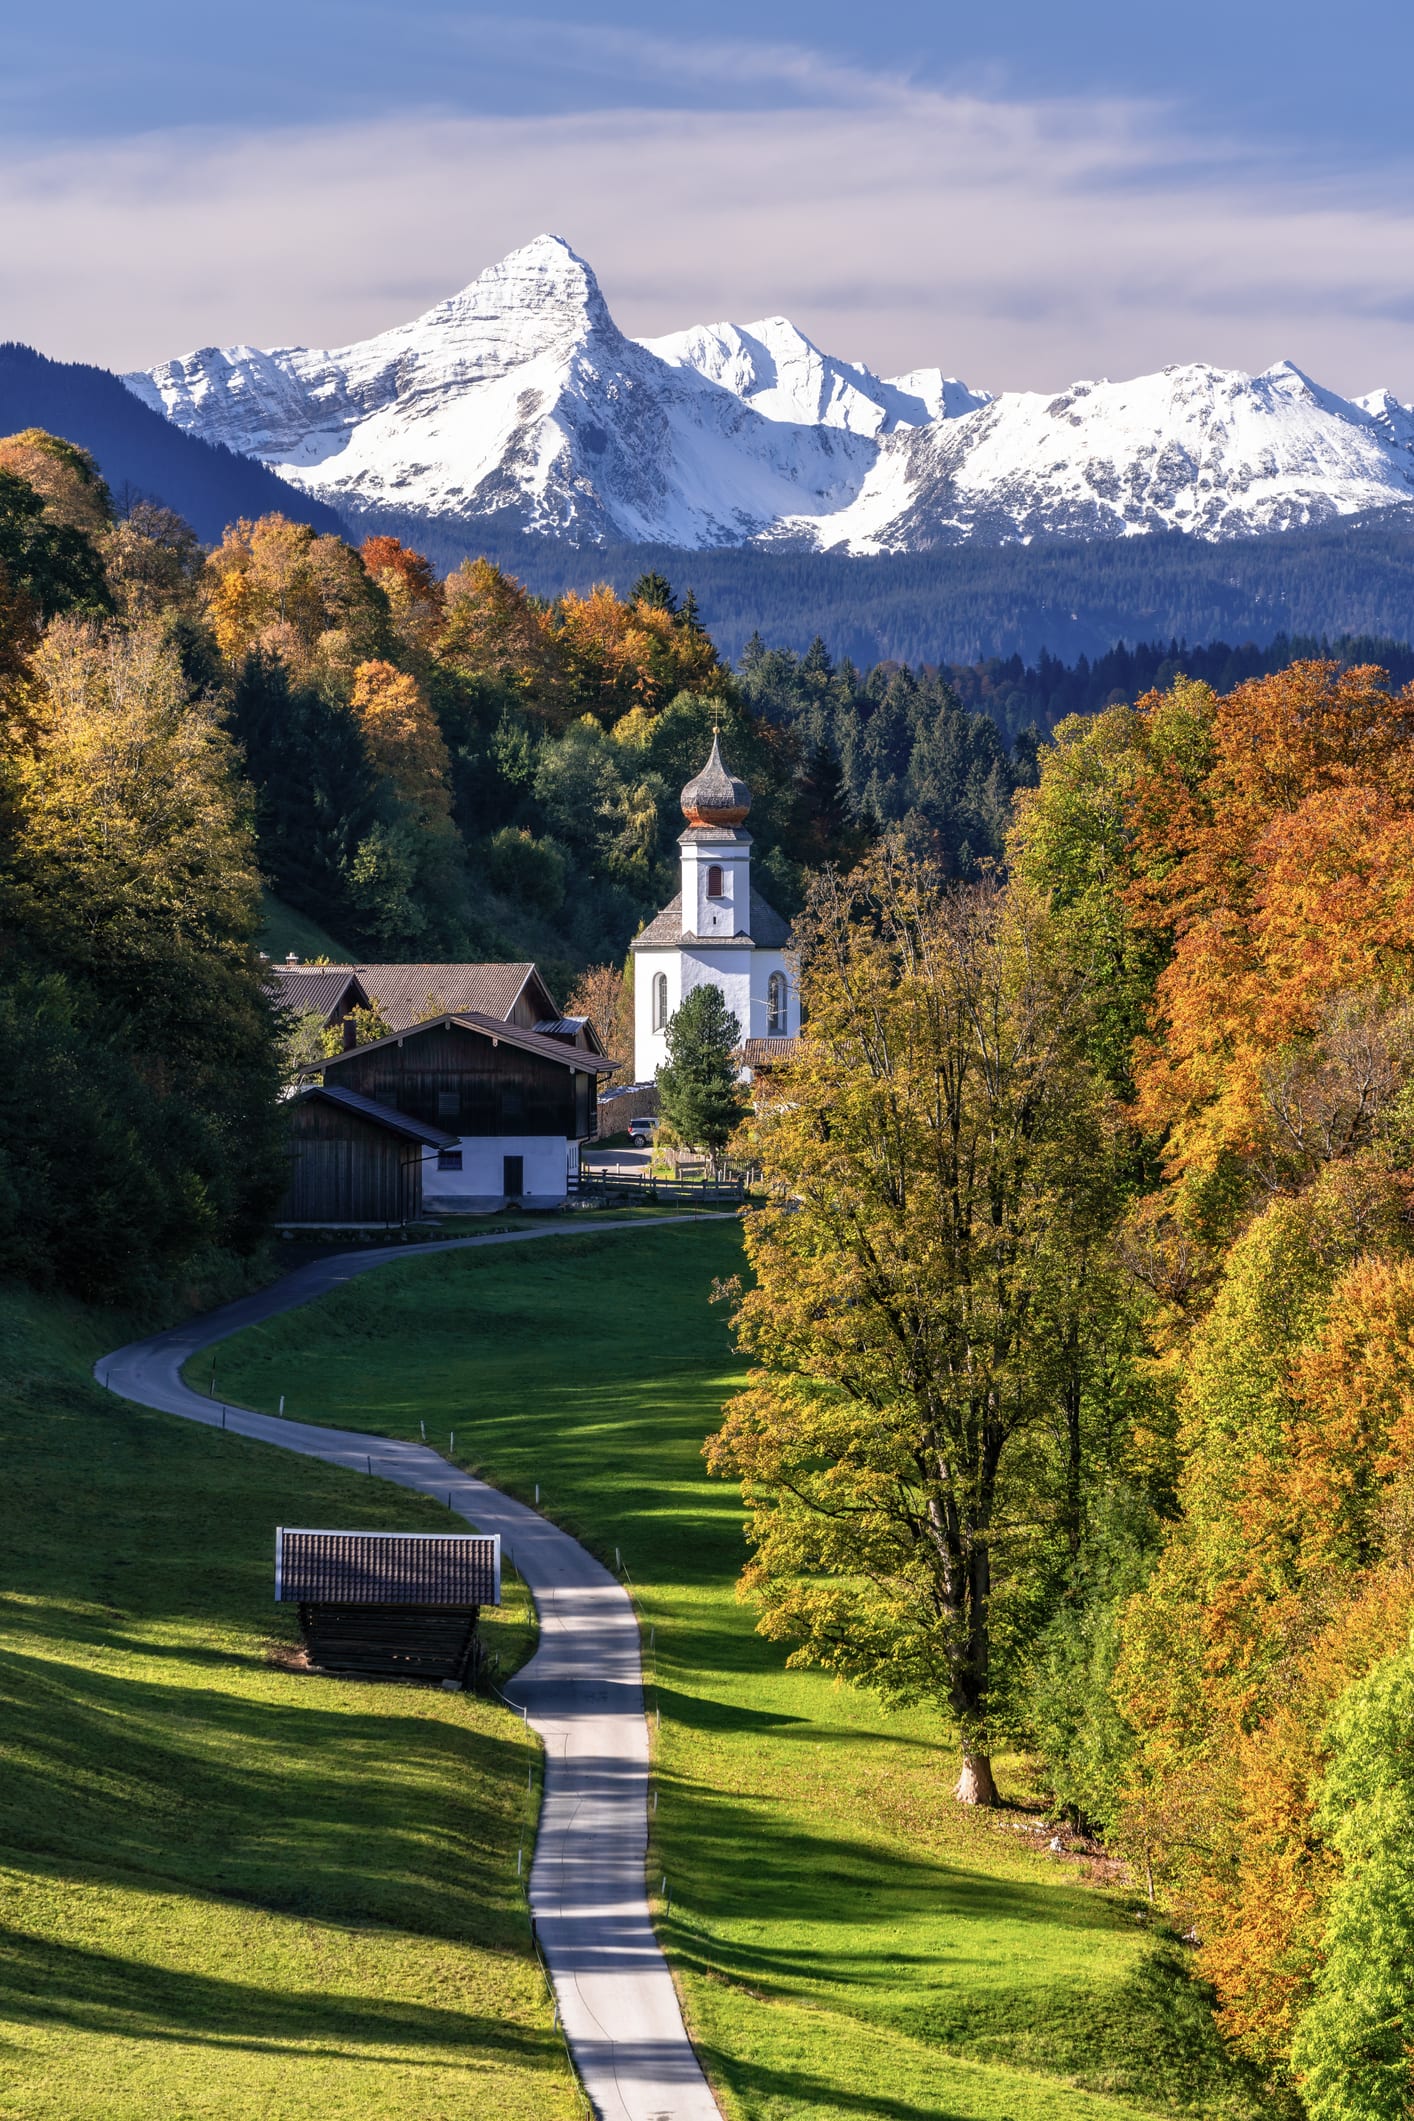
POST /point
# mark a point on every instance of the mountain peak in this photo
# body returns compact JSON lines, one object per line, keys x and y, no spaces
{"x":544,"y":275}
{"x":519,"y":397}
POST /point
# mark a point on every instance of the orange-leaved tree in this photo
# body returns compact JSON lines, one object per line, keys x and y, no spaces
{"x":403,"y":740}
{"x":620,"y":654}
{"x":274,"y":586}
{"x":1281,"y":877}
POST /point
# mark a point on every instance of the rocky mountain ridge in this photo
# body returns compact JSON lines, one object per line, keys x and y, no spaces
{"x":519,"y":402}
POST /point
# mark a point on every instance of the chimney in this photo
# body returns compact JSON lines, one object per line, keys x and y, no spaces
{"x":350,"y":1034}
{"x":292,"y":959}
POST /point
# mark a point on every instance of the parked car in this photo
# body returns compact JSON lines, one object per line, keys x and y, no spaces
{"x":641,"y":1132}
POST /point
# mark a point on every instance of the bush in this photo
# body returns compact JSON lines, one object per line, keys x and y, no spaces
{"x":524,"y":868}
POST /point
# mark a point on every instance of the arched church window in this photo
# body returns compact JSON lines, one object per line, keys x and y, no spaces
{"x":776,"y":1005}
{"x":660,"y":1000}
{"x":714,"y":881}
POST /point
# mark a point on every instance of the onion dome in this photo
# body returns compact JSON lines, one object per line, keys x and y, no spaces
{"x":715,"y":797}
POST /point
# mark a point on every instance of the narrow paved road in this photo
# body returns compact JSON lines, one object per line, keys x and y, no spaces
{"x":582,"y":1692}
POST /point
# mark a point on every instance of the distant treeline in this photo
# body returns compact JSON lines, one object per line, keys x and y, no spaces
{"x":1020,"y":696}
{"x":968,"y":603}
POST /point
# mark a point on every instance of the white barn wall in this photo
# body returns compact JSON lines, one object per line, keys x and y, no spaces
{"x":480,"y":1177}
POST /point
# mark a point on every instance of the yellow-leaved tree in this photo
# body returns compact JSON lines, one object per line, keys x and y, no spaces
{"x":932,"y":1295}
{"x":403,"y":741}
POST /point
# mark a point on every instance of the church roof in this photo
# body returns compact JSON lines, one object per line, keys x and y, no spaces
{"x":714,"y":796}
{"x":665,"y":930}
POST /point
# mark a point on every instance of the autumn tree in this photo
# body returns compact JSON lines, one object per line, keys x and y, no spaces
{"x":153,"y":561}
{"x":70,"y":486}
{"x":1353,"y":2046}
{"x":618,"y":655}
{"x":605,"y":995}
{"x":46,"y":568}
{"x":1282,"y":1582}
{"x":416,"y":604}
{"x":404,"y":744}
{"x":275,"y":588}
{"x":142,"y":1052}
{"x":494,"y":629}
{"x":1277,"y":871}
{"x":943,"y":1161}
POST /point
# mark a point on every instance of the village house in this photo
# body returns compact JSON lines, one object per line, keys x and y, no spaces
{"x":492,"y":1106}
{"x":492,"y":1112}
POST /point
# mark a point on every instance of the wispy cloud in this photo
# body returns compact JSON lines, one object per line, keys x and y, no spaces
{"x":1016,"y":243}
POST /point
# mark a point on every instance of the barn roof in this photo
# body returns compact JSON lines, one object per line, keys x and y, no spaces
{"x":319,"y":990}
{"x":665,"y":930}
{"x":492,"y":1027}
{"x":386,"y":1568}
{"x":571,"y":1029}
{"x":368,"y":1108}
{"x":409,"y":994}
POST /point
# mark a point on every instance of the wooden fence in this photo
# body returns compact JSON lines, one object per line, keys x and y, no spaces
{"x":701,"y":1192}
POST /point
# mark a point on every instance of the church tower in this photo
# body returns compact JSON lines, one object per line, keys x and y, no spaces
{"x":718,"y":929}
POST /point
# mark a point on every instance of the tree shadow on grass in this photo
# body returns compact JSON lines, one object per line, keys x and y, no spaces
{"x":751,"y":1861}
{"x":45,"y":1982}
{"x":294,"y":1802}
{"x":779,"y":2090}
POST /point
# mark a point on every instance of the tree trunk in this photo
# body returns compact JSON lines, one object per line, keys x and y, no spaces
{"x":975,"y":1784}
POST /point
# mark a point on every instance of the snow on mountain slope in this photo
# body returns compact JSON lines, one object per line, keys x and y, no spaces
{"x":782,"y":375}
{"x":1205,"y":450}
{"x":520,"y":399}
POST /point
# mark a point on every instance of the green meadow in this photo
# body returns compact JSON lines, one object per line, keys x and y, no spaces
{"x":846,"y":1941}
{"x":228,"y":1888}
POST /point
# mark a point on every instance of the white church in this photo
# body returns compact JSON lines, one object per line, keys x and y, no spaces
{"x":716,"y":930}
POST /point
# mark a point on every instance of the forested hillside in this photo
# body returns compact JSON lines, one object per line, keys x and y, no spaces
{"x":138,"y":454}
{"x":1082,"y":1329}
{"x":140,"y":1140}
{"x":967,"y":603}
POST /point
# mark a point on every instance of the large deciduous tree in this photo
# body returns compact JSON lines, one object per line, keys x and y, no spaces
{"x":929,"y":1290}
{"x":141,"y":1123}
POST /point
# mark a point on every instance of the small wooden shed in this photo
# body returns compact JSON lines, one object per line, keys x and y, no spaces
{"x":353,"y":1160}
{"x":388,"y":1605}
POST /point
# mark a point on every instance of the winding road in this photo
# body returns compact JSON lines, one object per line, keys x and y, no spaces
{"x":582,"y":1692}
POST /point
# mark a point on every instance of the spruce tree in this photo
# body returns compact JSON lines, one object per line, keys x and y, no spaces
{"x":697,"y":1085}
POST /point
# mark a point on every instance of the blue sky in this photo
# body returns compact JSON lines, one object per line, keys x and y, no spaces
{"x":1021,"y":193}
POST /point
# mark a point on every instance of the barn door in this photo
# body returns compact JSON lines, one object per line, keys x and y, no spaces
{"x":513,"y":1176}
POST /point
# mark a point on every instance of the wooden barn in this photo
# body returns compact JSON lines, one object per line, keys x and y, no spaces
{"x":388,"y":1605}
{"x":515,"y":1104}
{"x":353,"y":1160}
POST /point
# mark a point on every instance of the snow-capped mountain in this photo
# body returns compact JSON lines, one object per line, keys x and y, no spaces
{"x":521,"y":400}
{"x":776,"y":370}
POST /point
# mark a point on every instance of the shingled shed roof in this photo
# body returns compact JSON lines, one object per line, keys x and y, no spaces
{"x":386,"y":1568}
{"x":318,"y":990}
{"x":399,"y":1123}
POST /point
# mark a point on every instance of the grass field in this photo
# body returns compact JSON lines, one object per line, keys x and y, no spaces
{"x":284,"y":930}
{"x":848,"y":1944}
{"x":228,"y":1889}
